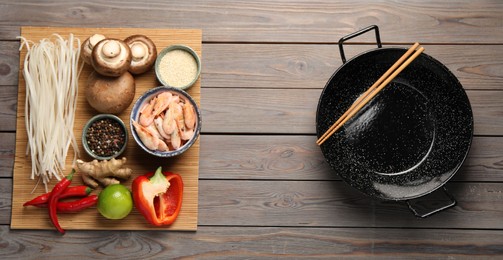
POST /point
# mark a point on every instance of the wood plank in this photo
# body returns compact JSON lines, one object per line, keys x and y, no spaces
{"x":300,"y":67}
{"x":268,"y":194}
{"x":314,"y":204}
{"x":311,"y":66}
{"x":264,"y":111}
{"x":487,"y":108}
{"x":306,"y":66}
{"x":8,"y":108}
{"x":5,"y":200}
{"x":138,"y":161}
{"x":265,"y":157}
{"x":9,"y":32}
{"x":301,"y":73}
{"x":484,"y":161}
{"x":335,"y":204}
{"x":297,"y":157}
{"x":9,"y":62}
{"x":7,"y":152}
{"x":429,"y":21}
{"x":293,"y":111}
{"x":258,"y":243}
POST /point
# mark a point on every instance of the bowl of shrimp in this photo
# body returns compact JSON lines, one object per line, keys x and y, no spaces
{"x":165,"y":121}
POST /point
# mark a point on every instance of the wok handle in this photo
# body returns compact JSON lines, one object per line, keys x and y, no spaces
{"x":360,"y":32}
{"x":434,"y":202}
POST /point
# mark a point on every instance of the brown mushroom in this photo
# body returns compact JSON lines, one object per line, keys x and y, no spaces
{"x":88,"y":45}
{"x":111,"y":57}
{"x":110,"y":94}
{"x":143,"y":51}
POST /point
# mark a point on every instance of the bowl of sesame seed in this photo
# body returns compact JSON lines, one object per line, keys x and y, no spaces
{"x":178,"y":66}
{"x":104,"y":137}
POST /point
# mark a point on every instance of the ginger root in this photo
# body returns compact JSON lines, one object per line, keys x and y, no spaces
{"x":103,"y":172}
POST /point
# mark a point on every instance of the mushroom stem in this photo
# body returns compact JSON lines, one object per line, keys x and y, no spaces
{"x":111,"y":57}
{"x":138,"y":51}
{"x":143,"y":52}
{"x":111,"y":49}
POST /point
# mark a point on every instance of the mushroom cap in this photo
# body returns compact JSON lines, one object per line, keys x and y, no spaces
{"x":144,"y":53}
{"x":87,"y":47}
{"x":111,"y":57}
{"x":110,"y":94}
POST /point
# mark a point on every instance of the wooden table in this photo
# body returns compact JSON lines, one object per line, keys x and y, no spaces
{"x":265,"y":190}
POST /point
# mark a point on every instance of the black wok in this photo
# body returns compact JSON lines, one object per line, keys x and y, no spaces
{"x":409,"y":140}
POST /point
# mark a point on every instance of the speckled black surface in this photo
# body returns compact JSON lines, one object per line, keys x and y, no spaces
{"x":410,"y":139}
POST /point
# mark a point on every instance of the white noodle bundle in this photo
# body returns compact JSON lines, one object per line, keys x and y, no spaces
{"x":51,"y":72}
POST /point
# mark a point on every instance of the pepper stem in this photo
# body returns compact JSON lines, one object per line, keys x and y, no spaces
{"x":158,"y":177}
{"x":70,"y":176}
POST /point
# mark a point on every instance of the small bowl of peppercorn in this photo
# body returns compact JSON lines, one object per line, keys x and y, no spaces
{"x":104,"y":137}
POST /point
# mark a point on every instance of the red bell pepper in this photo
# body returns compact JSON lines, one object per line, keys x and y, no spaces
{"x":158,"y":196}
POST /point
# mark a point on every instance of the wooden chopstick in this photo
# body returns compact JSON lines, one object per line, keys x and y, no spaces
{"x":370,"y":90}
{"x":384,"y":80}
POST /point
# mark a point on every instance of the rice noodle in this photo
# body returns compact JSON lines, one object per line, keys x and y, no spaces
{"x":51,"y":72}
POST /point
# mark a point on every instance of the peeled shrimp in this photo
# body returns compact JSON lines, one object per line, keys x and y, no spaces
{"x":187,"y":134}
{"x":178,"y":114}
{"x":166,"y":122}
{"x":146,"y":113}
{"x":176,"y":141}
{"x":161,"y":102}
{"x":158,"y":125}
{"x":189,"y":114}
{"x":169,"y":124}
{"x":149,"y":139}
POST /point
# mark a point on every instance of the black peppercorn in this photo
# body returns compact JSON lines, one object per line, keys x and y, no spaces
{"x":103,"y":132}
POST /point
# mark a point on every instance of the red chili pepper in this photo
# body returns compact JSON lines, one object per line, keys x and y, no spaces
{"x":54,"y":197}
{"x":77,"y":205}
{"x":74,"y":191}
{"x":74,"y":205}
{"x":159,"y":197}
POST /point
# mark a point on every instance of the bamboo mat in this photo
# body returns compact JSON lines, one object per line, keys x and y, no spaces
{"x":187,"y":165}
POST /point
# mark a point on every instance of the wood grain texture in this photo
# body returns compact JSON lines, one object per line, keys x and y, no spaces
{"x":9,"y":62}
{"x":276,"y":111}
{"x":298,"y":68}
{"x":306,"y":69}
{"x":5,"y":200}
{"x":265,"y":190}
{"x":293,"y":111}
{"x":273,"y":157}
{"x":305,"y":204}
{"x":429,"y":21}
{"x":256,"y":243}
{"x":8,"y":108}
{"x":7,"y":152}
{"x":335,"y":204}
{"x":9,"y":32}
{"x":480,"y":67}
{"x":287,"y":66}
{"x":187,"y":164}
{"x":291,"y":157}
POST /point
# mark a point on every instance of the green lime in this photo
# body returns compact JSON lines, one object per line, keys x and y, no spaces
{"x":115,"y":202}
